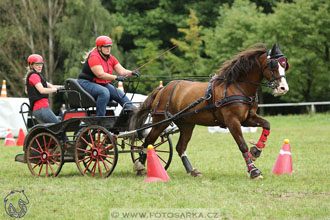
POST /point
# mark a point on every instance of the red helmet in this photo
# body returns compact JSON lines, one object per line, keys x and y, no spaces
{"x":35,"y":58}
{"x":103,"y":41}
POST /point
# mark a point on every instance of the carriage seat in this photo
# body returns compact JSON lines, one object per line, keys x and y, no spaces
{"x":85,"y":98}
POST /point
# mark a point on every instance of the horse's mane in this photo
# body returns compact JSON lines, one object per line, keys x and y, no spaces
{"x":241,"y":64}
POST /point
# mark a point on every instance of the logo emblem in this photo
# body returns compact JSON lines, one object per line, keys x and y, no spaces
{"x":15,"y":204}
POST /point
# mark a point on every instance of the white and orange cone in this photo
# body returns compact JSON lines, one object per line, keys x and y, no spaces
{"x":10,"y":140}
{"x":283,"y":162}
{"x":161,"y":84}
{"x":4,"y":89}
{"x":121,"y":86}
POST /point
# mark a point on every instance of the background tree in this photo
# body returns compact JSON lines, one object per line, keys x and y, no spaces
{"x":235,"y":30}
{"x":27,"y":27}
{"x":189,"y":62}
{"x":300,"y":28}
{"x":63,"y":30}
{"x":77,"y":36}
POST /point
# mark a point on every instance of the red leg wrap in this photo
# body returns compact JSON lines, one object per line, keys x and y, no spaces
{"x":263,"y":138}
{"x":250,"y":165}
{"x":247,"y":157}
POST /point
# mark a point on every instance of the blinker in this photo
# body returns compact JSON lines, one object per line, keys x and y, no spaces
{"x":282,"y":61}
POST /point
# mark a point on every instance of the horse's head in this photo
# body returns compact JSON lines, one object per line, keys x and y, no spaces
{"x":274,"y":70}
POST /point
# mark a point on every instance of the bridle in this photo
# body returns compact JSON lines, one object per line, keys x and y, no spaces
{"x":272,"y":62}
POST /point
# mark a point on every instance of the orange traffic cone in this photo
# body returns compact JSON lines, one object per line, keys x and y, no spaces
{"x":9,"y":141}
{"x":4,"y":89}
{"x":121,"y":86}
{"x":283,"y":162}
{"x":155,"y":170}
{"x":21,"y":137}
{"x":161,"y":84}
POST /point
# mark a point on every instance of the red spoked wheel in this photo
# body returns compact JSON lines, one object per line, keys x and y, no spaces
{"x":44,"y":155}
{"x":163,"y":148}
{"x":96,"y":152}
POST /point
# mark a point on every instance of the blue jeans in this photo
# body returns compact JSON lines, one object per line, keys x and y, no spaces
{"x":46,"y":115}
{"x":103,"y":94}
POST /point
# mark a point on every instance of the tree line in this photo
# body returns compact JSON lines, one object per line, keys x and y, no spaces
{"x":207,"y":33}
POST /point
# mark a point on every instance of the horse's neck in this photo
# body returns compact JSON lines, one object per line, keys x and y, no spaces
{"x":254,"y":76}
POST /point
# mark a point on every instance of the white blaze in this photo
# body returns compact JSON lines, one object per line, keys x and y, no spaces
{"x":283,"y":85}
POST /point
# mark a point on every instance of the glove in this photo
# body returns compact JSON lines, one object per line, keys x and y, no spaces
{"x":60,"y":89}
{"x":136,"y":73}
{"x":121,"y":78}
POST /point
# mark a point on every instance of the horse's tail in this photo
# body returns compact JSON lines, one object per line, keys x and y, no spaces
{"x":140,"y":115}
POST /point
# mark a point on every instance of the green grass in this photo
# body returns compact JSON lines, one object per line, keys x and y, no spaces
{"x":224,"y":186}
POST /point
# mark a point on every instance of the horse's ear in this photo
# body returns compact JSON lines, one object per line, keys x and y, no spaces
{"x":274,"y":47}
{"x":278,"y":45}
{"x":273,"y":50}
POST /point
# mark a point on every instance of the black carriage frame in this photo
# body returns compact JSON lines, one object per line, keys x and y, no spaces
{"x":81,"y":137}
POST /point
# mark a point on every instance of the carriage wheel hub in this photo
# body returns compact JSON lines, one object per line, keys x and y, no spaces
{"x":95,"y":153}
{"x":44,"y":156}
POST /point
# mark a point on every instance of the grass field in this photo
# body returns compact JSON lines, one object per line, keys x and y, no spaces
{"x":224,"y":189}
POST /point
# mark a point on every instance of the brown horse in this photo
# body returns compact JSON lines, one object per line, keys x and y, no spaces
{"x":228,"y":100}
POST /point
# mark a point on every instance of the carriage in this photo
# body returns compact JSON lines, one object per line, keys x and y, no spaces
{"x":92,"y":142}
{"x":229,"y":100}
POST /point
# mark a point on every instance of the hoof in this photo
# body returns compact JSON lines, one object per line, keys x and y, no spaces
{"x":142,"y":172}
{"x":196,"y":173}
{"x":255,"y":152}
{"x":255,"y":174}
{"x":138,"y":166}
{"x":253,"y":142}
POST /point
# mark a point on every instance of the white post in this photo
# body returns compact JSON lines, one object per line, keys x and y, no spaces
{"x":313,"y":108}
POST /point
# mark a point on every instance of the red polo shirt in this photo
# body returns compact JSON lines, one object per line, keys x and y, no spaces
{"x":108,"y":65}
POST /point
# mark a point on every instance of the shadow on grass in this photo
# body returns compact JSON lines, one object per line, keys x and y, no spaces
{"x":120,"y":174}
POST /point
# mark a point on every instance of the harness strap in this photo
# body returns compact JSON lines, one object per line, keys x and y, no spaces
{"x":241,"y":90}
{"x":245,"y":99}
{"x":251,"y":104}
{"x":167,"y":113}
{"x":210,"y":92}
{"x":208,"y":97}
{"x":235,"y":99}
{"x":160,"y":98}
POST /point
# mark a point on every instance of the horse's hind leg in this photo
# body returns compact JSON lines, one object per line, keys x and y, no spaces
{"x":234,"y":127}
{"x":155,"y":132}
{"x":256,"y":121}
{"x":185,"y":136}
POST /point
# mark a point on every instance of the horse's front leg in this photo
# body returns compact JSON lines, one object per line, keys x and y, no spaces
{"x":186,"y":130}
{"x":257,"y":121}
{"x":234,"y":127}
